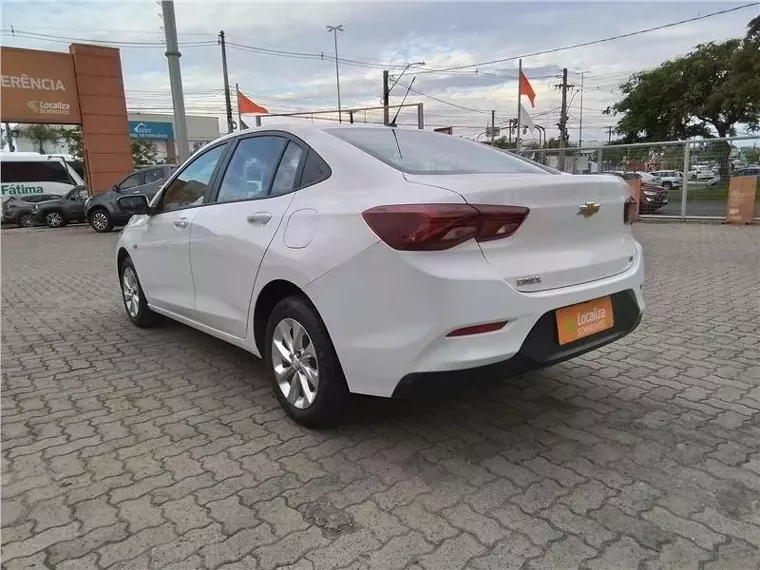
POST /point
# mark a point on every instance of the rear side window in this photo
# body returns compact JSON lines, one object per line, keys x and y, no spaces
{"x":285,"y":179}
{"x":48,"y":171}
{"x":155,"y":175}
{"x":314,"y":170}
{"x":425,"y":152}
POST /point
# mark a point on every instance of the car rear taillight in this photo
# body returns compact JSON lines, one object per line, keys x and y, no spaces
{"x":434,"y":227}
{"x":628,"y":214}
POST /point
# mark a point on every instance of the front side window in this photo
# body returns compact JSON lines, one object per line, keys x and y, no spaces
{"x":424,"y":152}
{"x":190,"y":186}
{"x":130,"y":182}
{"x":252,"y":168}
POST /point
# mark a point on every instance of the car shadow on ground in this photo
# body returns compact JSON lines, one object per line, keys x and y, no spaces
{"x":495,"y":395}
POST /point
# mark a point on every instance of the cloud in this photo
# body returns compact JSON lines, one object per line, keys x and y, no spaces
{"x":377,"y":34}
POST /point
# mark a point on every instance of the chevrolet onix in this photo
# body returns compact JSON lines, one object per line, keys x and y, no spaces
{"x":361,"y":259}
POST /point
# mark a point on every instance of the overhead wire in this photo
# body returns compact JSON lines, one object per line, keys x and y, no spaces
{"x":603,"y":40}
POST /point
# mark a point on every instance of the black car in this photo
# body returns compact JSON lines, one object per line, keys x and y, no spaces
{"x":62,"y":210}
{"x":18,"y":209}
{"x":103,"y":212}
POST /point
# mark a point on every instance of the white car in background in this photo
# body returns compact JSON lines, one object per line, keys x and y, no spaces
{"x":701,"y":173}
{"x":668,"y":178}
{"x":362,"y":259}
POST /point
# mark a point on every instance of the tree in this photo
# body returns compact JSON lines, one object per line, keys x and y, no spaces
{"x":706,"y":92}
{"x":40,"y":134}
{"x":144,"y":153}
{"x":72,"y":138}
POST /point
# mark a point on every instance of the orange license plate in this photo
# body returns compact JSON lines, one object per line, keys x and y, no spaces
{"x":582,"y":320}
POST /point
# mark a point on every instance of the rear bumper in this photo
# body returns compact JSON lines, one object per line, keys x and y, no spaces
{"x":541,"y":348}
{"x":389,"y":314}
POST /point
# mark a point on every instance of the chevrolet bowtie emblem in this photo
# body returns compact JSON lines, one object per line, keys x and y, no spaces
{"x":588,"y":209}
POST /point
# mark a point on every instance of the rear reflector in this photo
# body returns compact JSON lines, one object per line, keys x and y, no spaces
{"x":478,"y":329}
{"x":434,"y":227}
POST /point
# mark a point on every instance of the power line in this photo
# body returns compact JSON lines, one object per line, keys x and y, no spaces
{"x":16,"y":33}
{"x":603,"y":40}
{"x":444,"y":101}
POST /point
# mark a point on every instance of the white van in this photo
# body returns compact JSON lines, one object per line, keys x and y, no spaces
{"x":27,"y":173}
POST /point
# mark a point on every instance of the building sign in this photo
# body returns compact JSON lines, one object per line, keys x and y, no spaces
{"x":38,"y":87}
{"x":152,"y":131}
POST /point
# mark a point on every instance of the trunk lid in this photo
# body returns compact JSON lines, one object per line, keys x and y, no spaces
{"x":556,"y":246}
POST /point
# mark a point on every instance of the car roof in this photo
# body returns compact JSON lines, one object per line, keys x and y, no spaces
{"x":29,"y":157}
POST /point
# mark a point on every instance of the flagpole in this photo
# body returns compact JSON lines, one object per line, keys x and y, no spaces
{"x":237,"y":99}
{"x":519,"y":96}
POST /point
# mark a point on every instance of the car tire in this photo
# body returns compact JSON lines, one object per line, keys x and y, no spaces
{"x":306,"y":374}
{"x":133,"y":297}
{"x":667,"y":185}
{"x":55,"y":219}
{"x":26,"y":221}
{"x":100,"y":220}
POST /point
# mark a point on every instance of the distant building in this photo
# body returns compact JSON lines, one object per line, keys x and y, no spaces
{"x":159,"y":129}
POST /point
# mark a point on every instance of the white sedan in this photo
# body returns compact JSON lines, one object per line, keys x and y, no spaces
{"x":362,"y":259}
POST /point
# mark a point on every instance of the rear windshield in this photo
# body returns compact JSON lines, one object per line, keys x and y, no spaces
{"x":425,"y":152}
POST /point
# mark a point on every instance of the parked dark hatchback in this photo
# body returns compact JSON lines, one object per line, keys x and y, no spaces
{"x":103,"y":212}
{"x":62,"y":210}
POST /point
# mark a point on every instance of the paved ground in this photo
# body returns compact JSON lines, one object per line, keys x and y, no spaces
{"x":135,"y":449}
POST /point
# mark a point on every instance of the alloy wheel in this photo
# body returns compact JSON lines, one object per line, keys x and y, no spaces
{"x":99,"y":221}
{"x":26,"y":221}
{"x":294,"y":359}
{"x":54,"y":219}
{"x":131,"y":291}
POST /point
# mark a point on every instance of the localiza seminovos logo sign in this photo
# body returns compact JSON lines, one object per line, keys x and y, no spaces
{"x":150,"y":130}
{"x":25,"y":81}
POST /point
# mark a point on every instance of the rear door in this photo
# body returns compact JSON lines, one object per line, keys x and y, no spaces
{"x":231,"y":235}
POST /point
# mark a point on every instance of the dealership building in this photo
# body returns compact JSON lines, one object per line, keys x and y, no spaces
{"x":158,"y":129}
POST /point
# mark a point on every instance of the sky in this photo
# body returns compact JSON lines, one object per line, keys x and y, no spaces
{"x":279,"y":53}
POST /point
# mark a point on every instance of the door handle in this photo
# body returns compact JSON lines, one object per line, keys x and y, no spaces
{"x":180,"y":223}
{"x":259,"y":218}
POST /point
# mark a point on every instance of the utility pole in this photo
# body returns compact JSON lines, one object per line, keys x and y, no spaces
{"x":493,"y":126}
{"x":227,"y":102}
{"x":610,"y":129}
{"x":563,"y":121}
{"x":175,"y":80}
{"x":580,"y":122}
{"x":335,"y":30}
{"x":519,"y":107}
{"x":386,"y":98}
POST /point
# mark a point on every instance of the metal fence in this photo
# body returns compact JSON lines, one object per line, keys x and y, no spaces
{"x":696,"y":174}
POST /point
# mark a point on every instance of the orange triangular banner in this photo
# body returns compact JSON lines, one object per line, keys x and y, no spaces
{"x":526,"y":89}
{"x":248,"y":107}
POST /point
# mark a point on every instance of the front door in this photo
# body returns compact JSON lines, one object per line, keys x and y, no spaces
{"x":231,"y":235}
{"x":162,"y":258}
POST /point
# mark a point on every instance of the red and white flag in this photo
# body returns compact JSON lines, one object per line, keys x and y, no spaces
{"x":527,"y":89}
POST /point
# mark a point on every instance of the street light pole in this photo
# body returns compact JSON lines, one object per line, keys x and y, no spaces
{"x":335,"y":30}
{"x":397,"y":79}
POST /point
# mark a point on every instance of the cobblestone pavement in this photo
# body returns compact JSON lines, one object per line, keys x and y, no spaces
{"x":135,"y":449}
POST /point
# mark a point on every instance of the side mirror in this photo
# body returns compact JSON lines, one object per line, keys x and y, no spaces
{"x":136,"y":204}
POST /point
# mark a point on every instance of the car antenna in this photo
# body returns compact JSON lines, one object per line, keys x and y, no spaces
{"x":408,"y":88}
{"x":393,"y":130}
